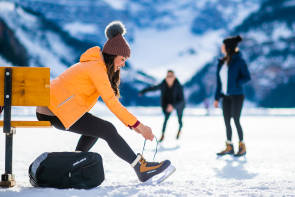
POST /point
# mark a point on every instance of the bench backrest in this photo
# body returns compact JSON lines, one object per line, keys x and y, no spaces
{"x":30,"y":86}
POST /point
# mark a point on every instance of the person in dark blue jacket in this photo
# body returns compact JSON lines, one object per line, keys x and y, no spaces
{"x":172,"y":97}
{"x":232,"y":73}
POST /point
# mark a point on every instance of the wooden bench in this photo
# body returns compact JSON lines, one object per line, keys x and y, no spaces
{"x":21,"y":86}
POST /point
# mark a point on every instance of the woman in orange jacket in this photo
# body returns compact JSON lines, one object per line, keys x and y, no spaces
{"x":75,"y":92}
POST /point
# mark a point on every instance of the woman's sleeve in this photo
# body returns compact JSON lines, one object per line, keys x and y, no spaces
{"x":244,"y":73}
{"x":151,"y":88}
{"x":101,"y":81}
{"x":218,"y":84}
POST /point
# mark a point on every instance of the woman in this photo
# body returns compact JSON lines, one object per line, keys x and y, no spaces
{"x":76,"y":91}
{"x":232,"y":74}
{"x":171,"y":98}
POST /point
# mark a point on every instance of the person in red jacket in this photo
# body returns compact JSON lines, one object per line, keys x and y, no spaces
{"x":75,"y":92}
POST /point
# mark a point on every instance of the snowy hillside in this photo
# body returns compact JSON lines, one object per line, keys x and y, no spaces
{"x":268,"y":48}
{"x":267,"y":170}
{"x":181,"y":35}
{"x":43,"y":45}
{"x":163,"y":34}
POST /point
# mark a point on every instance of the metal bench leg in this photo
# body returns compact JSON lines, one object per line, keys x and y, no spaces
{"x":7,"y":179}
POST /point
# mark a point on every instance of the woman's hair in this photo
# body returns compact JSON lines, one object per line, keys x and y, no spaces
{"x":231,"y":44}
{"x":114,"y":77}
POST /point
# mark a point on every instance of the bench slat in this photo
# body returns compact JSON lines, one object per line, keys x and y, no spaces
{"x":28,"y":124}
{"x":30,"y":86}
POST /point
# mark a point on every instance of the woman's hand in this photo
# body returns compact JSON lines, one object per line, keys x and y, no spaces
{"x":216,"y":103}
{"x":145,"y":131}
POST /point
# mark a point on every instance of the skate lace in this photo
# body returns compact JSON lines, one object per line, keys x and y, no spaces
{"x":155,"y":150}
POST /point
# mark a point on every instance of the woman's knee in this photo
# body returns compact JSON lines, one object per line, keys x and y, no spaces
{"x":237,"y":119}
{"x":227,"y":121}
{"x":110,"y":129}
{"x":180,"y":122}
{"x":227,"y":124}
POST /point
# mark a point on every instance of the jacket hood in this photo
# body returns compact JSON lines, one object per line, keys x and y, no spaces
{"x":92,"y":54}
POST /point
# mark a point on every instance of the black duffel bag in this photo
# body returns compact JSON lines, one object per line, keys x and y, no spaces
{"x":81,"y":170}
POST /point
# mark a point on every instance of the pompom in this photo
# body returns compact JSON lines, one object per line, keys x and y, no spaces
{"x":114,"y":28}
{"x":238,"y":38}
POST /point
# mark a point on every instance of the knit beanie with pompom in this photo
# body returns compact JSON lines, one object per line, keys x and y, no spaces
{"x":116,"y":43}
{"x":232,"y":42}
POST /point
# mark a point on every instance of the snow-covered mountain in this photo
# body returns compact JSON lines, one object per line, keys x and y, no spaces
{"x":28,"y":38}
{"x":34,"y":41}
{"x":181,"y":35}
{"x":163,"y":34}
{"x":268,"y":47}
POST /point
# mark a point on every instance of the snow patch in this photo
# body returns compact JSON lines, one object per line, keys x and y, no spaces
{"x":41,"y":55}
{"x":245,"y":9}
{"x":77,"y":28}
{"x":45,"y":47}
{"x":4,"y":62}
{"x":259,"y":35}
{"x":6,"y":6}
{"x":267,"y":170}
{"x":289,"y":3}
{"x":280,"y":30}
{"x":117,"y":4}
{"x":156,"y":51}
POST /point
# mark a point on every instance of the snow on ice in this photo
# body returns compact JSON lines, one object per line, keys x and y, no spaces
{"x":267,"y":170}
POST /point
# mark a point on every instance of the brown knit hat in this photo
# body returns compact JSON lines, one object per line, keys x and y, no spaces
{"x":116,"y":43}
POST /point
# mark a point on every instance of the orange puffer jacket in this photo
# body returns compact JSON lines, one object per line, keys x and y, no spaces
{"x":76,"y":91}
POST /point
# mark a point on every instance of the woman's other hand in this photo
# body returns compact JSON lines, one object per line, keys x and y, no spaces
{"x":169,"y":108}
{"x":145,"y":131}
{"x":216,"y":103}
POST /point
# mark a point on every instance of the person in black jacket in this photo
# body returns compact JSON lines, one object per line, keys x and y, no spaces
{"x":232,"y":73}
{"x":172,"y":97}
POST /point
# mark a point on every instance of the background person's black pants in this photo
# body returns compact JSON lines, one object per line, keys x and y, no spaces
{"x":232,"y":107}
{"x":179,"y":110}
{"x":91,"y":128}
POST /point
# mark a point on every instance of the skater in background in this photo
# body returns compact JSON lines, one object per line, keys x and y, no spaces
{"x":172,"y":97}
{"x":76,"y":91}
{"x":232,"y":73}
{"x":207,"y":106}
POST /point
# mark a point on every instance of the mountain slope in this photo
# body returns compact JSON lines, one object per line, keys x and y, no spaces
{"x":41,"y":43}
{"x":27,"y":38}
{"x":268,"y":47}
{"x":178,"y":35}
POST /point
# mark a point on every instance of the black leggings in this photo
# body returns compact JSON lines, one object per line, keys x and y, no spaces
{"x":179,"y":110}
{"x":91,"y":128}
{"x":232,"y":107}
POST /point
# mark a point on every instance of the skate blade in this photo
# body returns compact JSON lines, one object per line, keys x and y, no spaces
{"x":159,"y":178}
